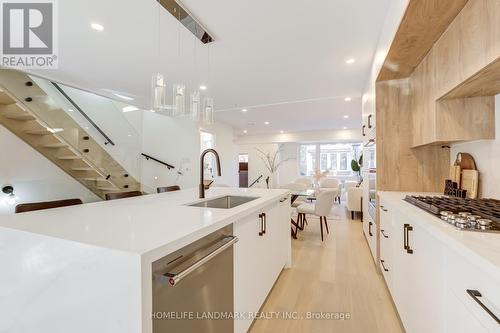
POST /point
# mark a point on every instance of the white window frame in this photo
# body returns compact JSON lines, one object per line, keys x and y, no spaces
{"x":335,"y":172}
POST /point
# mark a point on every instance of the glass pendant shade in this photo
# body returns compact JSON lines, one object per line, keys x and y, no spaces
{"x":208,"y":110}
{"x":159,"y":93}
{"x":194,"y":105}
{"x":179,"y":102}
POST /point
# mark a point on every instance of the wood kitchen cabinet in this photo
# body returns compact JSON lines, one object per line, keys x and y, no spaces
{"x":259,"y":258}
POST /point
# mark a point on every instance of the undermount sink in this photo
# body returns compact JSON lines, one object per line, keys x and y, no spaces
{"x":226,"y":202}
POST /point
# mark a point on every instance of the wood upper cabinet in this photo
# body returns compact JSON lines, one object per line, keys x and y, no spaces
{"x":470,"y":44}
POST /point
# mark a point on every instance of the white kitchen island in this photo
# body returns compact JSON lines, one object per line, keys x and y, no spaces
{"x":87,"y":268}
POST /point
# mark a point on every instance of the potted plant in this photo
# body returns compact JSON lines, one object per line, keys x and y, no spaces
{"x":356,"y":166}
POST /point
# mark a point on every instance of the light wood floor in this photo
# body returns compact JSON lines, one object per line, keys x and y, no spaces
{"x":336,"y":276}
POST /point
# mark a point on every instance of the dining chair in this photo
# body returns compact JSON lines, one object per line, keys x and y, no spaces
{"x":168,"y":189}
{"x":298,"y":187}
{"x":122,"y":195}
{"x":321,"y":208}
{"x":28,"y":207}
{"x":331,"y":184}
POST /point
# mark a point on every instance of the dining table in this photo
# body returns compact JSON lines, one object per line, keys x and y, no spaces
{"x":309,"y":194}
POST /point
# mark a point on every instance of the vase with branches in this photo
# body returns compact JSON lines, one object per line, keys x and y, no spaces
{"x":272,"y":161}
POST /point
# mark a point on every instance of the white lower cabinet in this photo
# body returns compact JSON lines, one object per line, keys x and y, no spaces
{"x":428,"y":281}
{"x":259,"y":258}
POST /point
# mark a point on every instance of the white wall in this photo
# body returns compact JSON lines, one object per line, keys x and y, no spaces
{"x":177,"y":142}
{"x":256,"y":166}
{"x":228,"y":153}
{"x":487,"y":156}
{"x":289,"y":170}
{"x":33,"y":176}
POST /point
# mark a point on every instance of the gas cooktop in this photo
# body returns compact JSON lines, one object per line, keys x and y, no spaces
{"x":465,"y":214}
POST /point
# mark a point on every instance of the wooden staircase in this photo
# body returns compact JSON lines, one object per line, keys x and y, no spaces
{"x":28,"y":112}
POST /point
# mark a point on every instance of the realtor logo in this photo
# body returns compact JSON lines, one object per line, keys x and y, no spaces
{"x":29,"y":38}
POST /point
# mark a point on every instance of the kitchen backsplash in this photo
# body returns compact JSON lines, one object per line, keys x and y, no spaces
{"x":487,"y":156}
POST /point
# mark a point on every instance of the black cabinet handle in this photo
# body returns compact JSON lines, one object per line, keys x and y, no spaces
{"x":383,"y":266}
{"x":364,"y":134}
{"x":370,"y":121}
{"x":370,"y":228}
{"x":383,"y":233}
{"x":383,"y":208}
{"x":261,"y":217}
{"x":475,"y":294}
{"x":265,"y":222}
{"x":404,"y":236}
{"x":407,"y":229}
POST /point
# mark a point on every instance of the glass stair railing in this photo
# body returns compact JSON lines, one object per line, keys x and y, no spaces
{"x":88,"y":136}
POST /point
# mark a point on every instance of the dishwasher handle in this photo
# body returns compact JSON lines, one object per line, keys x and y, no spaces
{"x":226,"y":242}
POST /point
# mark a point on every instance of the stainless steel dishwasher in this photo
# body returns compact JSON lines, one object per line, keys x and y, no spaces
{"x":193,"y":287}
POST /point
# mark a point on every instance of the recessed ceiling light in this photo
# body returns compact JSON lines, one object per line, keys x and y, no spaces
{"x":156,"y":177}
{"x":129,"y":135}
{"x":203,"y":87}
{"x":266,"y":123}
{"x":347,"y":99}
{"x":245,"y":131}
{"x":97,"y":26}
{"x":130,"y":108}
{"x":350,"y":61}
{"x":70,"y":110}
{"x":346,"y":116}
{"x":244,"y":110}
{"x":282,"y":132}
{"x":127,"y":98}
{"x":345,"y":127}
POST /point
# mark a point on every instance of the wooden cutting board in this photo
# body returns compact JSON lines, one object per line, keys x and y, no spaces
{"x":455,"y":175}
{"x":466,"y":161}
{"x":470,"y":182}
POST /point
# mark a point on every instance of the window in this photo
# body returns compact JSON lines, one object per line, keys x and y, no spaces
{"x":243,"y":158}
{"x":335,"y":157}
{"x":307,"y":159}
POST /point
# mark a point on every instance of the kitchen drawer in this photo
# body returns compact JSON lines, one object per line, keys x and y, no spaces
{"x":463,"y":275}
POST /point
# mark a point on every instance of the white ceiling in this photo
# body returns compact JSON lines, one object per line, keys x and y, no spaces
{"x":283,"y":60}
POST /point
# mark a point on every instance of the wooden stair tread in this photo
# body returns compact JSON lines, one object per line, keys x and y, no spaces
{"x":38,"y":132}
{"x":83,"y":169}
{"x":97,"y":179}
{"x":103,"y":188}
{"x":70,"y":157}
{"x":55,"y":145}
{"x":19,"y":116}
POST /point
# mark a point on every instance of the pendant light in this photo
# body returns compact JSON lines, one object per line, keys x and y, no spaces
{"x":208,"y":111}
{"x":208,"y":102}
{"x":159,"y":92}
{"x":179,"y":100}
{"x":195,"y":106}
{"x":158,"y":82}
{"x":179,"y":89}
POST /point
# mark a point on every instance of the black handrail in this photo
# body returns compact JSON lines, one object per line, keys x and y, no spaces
{"x":158,"y":161}
{"x":256,"y":181}
{"x":76,"y":106}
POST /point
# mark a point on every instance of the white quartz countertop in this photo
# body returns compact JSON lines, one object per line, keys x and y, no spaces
{"x":480,"y":247}
{"x":141,"y":224}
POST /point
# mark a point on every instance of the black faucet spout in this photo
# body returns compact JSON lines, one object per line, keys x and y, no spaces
{"x":202,"y":162}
